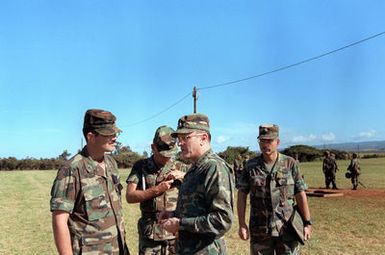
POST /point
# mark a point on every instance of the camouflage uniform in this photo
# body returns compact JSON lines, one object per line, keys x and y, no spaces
{"x":92,"y":197}
{"x":237,"y":168}
{"x":329,"y":168}
{"x":205,"y":205}
{"x":152,"y":238}
{"x":91,"y":194}
{"x":205,"y":201}
{"x":355,"y":171}
{"x":271,"y":201}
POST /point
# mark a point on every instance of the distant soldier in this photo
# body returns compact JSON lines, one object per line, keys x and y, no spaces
{"x":86,"y":195}
{"x":238,"y":167}
{"x":329,"y":168}
{"x":355,"y":171}
{"x":246,"y":158}
{"x":153,"y":183}
{"x":204,"y":211}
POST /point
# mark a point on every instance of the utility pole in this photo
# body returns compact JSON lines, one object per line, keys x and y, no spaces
{"x":194,"y":95}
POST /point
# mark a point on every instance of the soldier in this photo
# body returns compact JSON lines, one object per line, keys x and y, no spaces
{"x":275,"y":185}
{"x":329,"y":168}
{"x":204,"y":210}
{"x":238,"y":167}
{"x":152,"y":183}
{"x":355,"y":171}
{"x":86,"y":194}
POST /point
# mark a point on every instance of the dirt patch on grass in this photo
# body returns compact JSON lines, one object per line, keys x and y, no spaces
{"x":360,"y":192}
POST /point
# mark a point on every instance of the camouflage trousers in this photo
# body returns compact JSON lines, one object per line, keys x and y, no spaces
{"x":151,"y":247}
{"x":354,"y":180}
{"x":330,"y":178}
{"x":282,"y":245}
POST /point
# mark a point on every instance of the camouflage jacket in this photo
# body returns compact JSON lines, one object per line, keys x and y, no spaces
{"x":92,"y":197}
{"x":329,"y":165}
{"x":205,"y":206}
{"x":146,"y":170}
{"x":271,"y":193}
{"x":354,"y":167}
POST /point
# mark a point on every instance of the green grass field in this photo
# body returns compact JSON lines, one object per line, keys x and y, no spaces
{"x":352,"y":224}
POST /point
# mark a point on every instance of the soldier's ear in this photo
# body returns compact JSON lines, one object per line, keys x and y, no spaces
{"x":90,"y":137}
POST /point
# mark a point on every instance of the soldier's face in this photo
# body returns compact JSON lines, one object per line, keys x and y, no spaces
{"x":190,"y":145}
{"x":268,"y":146}
{"x":105,"y":143}
{"x":160,"y":160}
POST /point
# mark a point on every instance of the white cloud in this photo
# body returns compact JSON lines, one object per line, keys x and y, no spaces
{"x":221,"y":139}
{"x":329,"y":137}
{"x":304,"y":138}
{"x":366,"y":134}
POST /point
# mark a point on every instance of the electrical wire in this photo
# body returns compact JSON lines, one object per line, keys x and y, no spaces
{"x":260,"y":75}
{"x":291,"y":65}
{"x":159,"y":113}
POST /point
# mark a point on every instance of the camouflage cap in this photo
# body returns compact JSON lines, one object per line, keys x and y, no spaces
{"x":100,"y":121}
{"x":268,"y":131}
{"x":164,"y":142}
{"x":191,"y":123}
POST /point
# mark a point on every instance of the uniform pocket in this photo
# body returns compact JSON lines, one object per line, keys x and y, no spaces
{"x":258,"y":185}
{"x":100,"y":243}
{"x":97,"y":206}
{"x":145,"y":227}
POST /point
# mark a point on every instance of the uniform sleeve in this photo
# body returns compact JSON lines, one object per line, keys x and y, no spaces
{"x":219,"y":193}
{"x":135,"y":174}
{"x":63,"y":192}
{"x":299,"y":183}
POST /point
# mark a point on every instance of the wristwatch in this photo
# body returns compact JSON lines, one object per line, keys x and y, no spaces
{"x":307,"y":222}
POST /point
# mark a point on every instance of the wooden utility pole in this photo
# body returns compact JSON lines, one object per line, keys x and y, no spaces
{"x":194,"y":95}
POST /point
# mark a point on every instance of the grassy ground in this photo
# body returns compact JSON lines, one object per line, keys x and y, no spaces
{"x":352,"y":224}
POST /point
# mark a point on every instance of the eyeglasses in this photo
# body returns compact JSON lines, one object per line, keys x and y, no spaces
{"x":187,"y":137}
{"x":108,"y":136}
{"x":266,"y":140}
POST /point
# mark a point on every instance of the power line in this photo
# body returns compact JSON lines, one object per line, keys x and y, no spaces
{"x":260,"y":75}
{"x":292,"y":65}
{"x":159,"y":113}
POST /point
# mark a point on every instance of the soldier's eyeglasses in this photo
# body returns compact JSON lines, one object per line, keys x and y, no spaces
{"x":187,"y":137}
{"x":266,"y":140}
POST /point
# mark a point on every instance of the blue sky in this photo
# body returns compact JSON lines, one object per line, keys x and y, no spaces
{"x":137,"y":58}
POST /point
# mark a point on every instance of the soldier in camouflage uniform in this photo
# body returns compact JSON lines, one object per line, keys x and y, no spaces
{"x":275,"y":186}
{"x":204,"y":210}
{"x":86,"y":194}
{"x":355,"y":171}
{"x":329,"y":168}
{"x":154,"y":182}
{"x":238,"y":167}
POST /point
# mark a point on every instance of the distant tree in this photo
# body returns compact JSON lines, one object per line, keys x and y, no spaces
{"x":232,"y":152}
{"x":145,"y":154}
{"x":125,"y":157}
{"x":304,"y":152}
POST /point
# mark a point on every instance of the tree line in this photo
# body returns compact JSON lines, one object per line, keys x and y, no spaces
{"x":125,"y":157}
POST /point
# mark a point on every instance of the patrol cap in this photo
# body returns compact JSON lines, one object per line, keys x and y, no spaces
{"x":164,"y":142}
{"x":268,"y":131}
{"x":191,"y":123}
{"x":100,"y":121}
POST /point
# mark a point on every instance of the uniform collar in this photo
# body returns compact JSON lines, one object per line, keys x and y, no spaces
{"x":202,"y":158}
{"x":92,"y":165}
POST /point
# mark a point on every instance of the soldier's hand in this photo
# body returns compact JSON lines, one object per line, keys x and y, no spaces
{"x":175,"y":175}
{"x":163,"y":186}
{"x":164,"y":215}
{"x":243,"y":232}
{"x":170,"y":224}
{"x":307,"y":231}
